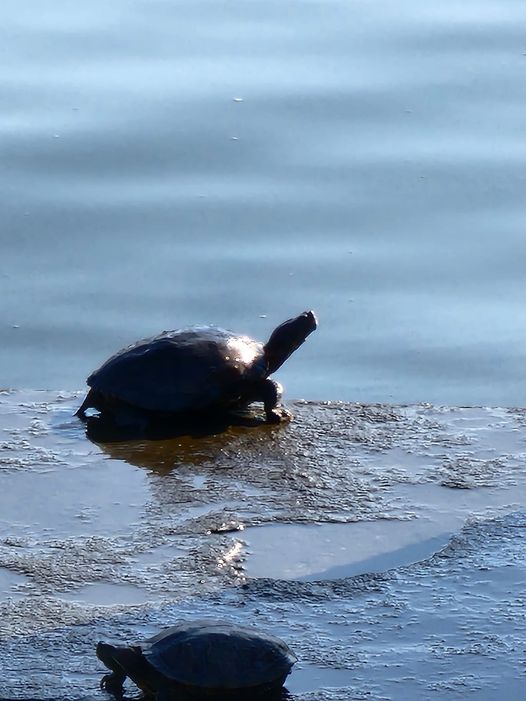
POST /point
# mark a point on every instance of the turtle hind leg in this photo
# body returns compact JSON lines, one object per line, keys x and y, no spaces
{"x":92,"y":401}
{"x":106,"y":405}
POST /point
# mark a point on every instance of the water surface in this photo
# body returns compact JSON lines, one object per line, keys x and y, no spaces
{"x":167,"y":163}
{"x":398,"y":574}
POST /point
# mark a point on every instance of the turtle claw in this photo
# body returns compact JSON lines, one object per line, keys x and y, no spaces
{"x":112,"y":685}
{"x":279,"y":416}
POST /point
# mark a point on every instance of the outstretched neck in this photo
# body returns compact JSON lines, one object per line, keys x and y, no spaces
{"x":287,"y":338}
{"x":276,"y":357}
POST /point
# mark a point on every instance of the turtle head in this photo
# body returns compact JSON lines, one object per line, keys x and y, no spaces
{"x":287,"y":338}
{"x":125,"y":662}
{"x":119,"y":659}
{"x":106,"y":654}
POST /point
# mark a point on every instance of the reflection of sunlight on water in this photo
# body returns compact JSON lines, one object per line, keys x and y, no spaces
{"x":108,"y":594}
{"x":335,"y":550}
{"x":155,"y":556}
{"x":9,"y":581}
{"x":232,"y":554}
{"x":307,"y":677}
{"x":99,"y":498}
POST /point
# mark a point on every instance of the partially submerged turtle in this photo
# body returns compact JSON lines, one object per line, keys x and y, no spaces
{"x":201,"y":659}
{"x":196,"y":370}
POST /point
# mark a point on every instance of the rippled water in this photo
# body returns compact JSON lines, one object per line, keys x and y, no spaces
{"x":173,"y":162}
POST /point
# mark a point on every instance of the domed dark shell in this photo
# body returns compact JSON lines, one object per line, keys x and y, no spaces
{"x":185,"y":370}
{"x":218,"y":655}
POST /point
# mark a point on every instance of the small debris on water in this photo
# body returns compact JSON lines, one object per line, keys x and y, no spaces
{"x":227,"y":527}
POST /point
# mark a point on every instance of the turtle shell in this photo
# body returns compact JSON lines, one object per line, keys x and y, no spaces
{"x":186,"y":370}
{"x":219,"y":656}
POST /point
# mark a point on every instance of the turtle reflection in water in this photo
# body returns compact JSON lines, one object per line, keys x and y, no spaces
{"x":195,"y":371}
{"x":200,"y":660}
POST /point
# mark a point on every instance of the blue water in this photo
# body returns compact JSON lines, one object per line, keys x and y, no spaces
{"x":166,"y":163}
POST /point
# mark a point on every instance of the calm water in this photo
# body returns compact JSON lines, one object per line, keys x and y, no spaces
{"x":166,"y":163}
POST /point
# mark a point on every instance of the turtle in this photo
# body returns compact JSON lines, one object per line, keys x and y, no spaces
{"x":196,"y":370}
{"x":200,"y":659}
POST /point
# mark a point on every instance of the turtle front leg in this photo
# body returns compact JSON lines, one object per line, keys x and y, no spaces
{"x":113,"y":683}
{"x":270,"y":393}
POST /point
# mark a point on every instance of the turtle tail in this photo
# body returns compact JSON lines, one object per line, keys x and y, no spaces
{"x":90,"y":402}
